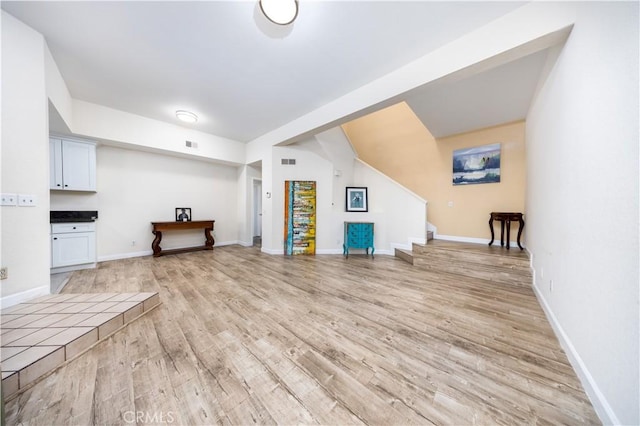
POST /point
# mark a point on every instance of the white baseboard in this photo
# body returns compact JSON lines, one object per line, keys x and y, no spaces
{"x":119,"y":256}
{"x":470,"y":240}
{"x":322,"y":251}
{"x":401,"y":246}
{"x":598,"y":400}
{"x":375,"y":253}
{"x":329,"y":251}
{"x":417,"y":241}
{"x":14,"y":299}
{"x":62,"y":269}
{"x":408,"y":246}
{"x":271,"y":251}
{"x":461,"y":239}
{"x":385,"y":252}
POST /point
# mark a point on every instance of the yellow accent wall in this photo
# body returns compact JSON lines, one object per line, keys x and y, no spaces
{"x":395,"y":141}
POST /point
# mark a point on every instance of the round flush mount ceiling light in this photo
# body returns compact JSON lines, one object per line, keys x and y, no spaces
{"x":281,"y":12}
{"x":186,"y":116}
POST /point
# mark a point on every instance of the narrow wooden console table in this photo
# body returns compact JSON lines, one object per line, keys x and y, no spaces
{"x":506,"y":218}
{"x":160,"y":227}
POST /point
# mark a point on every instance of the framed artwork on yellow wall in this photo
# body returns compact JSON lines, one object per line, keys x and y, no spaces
{"x":480,"y":164}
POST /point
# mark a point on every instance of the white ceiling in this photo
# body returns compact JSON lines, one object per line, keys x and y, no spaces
{"x":245,"y":77}
{"x":499,"y":95}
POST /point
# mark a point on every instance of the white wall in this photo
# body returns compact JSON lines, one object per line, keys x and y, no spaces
{"x":108,"y":124}
{"x":338,"y":150}
{"x":57,"y":90}
{"x":309,"y":166}
{"x":136,"y":188}
{"x":582,"y":202}
{"x":398,"y":214}
{"x":25,"y":163}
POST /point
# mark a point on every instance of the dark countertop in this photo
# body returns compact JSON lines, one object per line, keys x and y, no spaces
{"x":72,"y":216}
{"x":70,"y":220}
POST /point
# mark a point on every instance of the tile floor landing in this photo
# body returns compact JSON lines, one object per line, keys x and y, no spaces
{"x":40,"y":335}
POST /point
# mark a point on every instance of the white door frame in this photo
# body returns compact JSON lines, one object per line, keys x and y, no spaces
{"x":256,"y":208}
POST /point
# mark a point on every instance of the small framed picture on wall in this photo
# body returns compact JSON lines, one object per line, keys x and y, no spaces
{"x":357,"y":200}
{"x":183,"y":214}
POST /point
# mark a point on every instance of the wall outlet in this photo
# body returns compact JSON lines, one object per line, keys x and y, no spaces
{"x":450,"y":204}
{"x":8,"y":200}
{"x":4,"y":273}
{"x":27,"y":200}
{"x":550,"y":286}
{"x":133,"y":243}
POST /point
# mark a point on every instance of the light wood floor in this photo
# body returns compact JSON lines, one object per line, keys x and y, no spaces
{"x":245,"y":338}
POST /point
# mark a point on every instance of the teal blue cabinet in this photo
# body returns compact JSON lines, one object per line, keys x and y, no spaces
{"x":358,"y":235}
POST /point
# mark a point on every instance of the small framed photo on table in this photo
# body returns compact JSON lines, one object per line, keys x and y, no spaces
{"x":183,"y":214}
{"x":357,"y":200}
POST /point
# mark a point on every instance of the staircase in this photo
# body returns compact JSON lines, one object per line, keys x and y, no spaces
{"x":492,"y":263}
{"x":407,"y":255}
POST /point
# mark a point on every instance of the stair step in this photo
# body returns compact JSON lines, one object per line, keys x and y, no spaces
{"x":474,"y":260}
{"x":405,"y":255}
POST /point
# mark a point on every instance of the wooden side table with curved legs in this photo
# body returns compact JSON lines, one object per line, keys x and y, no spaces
{"x":505,"y":218}
{"x":160,"y":227}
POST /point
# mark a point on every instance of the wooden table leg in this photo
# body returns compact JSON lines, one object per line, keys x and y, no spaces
{"x":209,"y":239}
{"x":155,"y":245}
{"x":508,"y":224}
{"x":520,"y":227}
{"x":502,"y":233}
{"x":491,"y":229}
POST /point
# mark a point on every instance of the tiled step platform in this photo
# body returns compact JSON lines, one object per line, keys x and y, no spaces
{"x":40,"y":335}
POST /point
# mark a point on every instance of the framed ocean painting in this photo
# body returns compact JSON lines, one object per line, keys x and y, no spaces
{"x":480,"y":164}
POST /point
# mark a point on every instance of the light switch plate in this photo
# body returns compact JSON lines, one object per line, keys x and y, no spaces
{"x":27,"y":200}
{"x":8,"y":200}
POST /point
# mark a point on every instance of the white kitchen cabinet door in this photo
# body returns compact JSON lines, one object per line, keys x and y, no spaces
{"x":72,"y":165}
{"x":78,"y":166}
{"x":73,"y":249}
{"x":55,"y":163}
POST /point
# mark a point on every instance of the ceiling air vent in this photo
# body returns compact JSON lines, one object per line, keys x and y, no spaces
{"x":190,"y":144}
{"x":288,"y":161}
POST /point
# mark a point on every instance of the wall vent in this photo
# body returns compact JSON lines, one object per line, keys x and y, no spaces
{"x":288,"y":161}
{"x":190,"y":144}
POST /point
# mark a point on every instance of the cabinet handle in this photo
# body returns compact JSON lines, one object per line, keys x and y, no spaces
{"x":58,"y":185}
{"x":55,"y":238}
{"x":66,"y":186}
{"x":74,"y":227}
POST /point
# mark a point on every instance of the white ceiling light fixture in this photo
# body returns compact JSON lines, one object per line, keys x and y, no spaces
{"x":186,"y":116}
{"x":281,"y":12}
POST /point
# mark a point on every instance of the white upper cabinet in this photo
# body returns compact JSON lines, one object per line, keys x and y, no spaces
{"x":72,"y":165}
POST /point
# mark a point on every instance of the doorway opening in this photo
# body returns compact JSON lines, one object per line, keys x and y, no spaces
{"x":257,"y":213}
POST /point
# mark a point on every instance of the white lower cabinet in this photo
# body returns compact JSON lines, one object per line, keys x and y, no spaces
{"x":73,"y":244}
